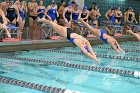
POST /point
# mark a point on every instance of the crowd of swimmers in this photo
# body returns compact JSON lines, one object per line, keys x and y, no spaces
{"x":62,"y":20}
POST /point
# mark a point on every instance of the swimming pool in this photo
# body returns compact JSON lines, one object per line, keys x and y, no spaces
{"x":67,"y":68}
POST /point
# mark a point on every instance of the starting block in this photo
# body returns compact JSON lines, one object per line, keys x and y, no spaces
{"x":118,"y":34}
{"x":14,"y":31}
{"x":56,"y":38}
{"x":91,"y":36}
{"x":10,"y":40}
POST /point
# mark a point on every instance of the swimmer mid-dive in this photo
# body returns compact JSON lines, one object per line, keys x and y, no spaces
{"x":103,"y":36}
{"x":74,"y":38}
{"x":134,"y":34}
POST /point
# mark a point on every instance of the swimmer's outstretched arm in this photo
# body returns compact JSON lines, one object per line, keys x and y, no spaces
{"x":115,"y":45}
{"x":88,"y":54}
{"x":90,"y":48}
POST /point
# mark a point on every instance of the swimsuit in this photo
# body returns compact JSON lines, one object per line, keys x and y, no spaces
{"x":1,"y":20}
{"x":41,"y":15}
{"x":69,"y":32}
{"x":52,"y":13}
{"x":101,"y":36}
{"x":67,"y":15}
{"x":33,"y":17}
{"x":112,"y":18}
{"x":118,"y":18}
{"x":22,"y":14}
{"x":86,"y":48}
{"x":75,"y":16}
{"x":130,"y":17}
{"x":83,"y":15}
{"x":11,"y":14}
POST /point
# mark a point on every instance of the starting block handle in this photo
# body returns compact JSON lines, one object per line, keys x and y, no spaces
{"x":11,"y":27}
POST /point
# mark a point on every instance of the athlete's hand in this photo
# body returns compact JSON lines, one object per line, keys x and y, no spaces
{"x":39,"y":20}
{"x":3,"y":26}
{"x":80,"y":19}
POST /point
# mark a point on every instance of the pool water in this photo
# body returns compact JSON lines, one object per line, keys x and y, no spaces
{"x":70,"y":78}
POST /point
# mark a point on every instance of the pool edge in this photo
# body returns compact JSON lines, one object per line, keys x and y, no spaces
{"x":53,"y":44}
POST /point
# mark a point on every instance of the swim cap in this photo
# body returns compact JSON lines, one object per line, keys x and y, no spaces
{"x":12,"y":1}
{"x":130,"y":8}
{"x":69,"y":3}
{"x":53,"y":1}
{"x":85,"y":8}
{"x":112,"y":8}
{"x":76,"y":6}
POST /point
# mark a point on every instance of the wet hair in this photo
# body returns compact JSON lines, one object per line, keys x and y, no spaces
{"x":113,"y":8}
{"x":53,"y":2}
{"x":126,"y":9}
{"x":93,"y":3}
{"x":95,"y":7}
{"x":40,"y":0}
{"x":76,"y":6}
{"x":62,"y":1}
{"x":62,"y":22}
{"x":130,"y":8}
{"x":73,"y":2}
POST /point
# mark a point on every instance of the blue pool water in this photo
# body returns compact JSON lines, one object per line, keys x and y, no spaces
{"x":70,"y":78}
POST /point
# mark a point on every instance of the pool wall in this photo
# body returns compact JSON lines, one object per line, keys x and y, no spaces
{"x":44,"y":44}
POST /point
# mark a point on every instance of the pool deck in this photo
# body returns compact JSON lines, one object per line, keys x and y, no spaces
{"x":44,"y":44}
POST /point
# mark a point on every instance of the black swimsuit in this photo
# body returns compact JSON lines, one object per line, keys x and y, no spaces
{"x":83,"y":15}
{"x":1,"y":20}
{"x":67,"y":15}
{"x":11,"y":14}
{"x":118,"y":18}
{"x":69,"y":32}
{"x":33,"y":17}
{"x":130,"y":17}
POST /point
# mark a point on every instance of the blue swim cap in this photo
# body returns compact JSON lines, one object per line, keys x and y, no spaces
{"x":85,"y":8}
{"x":12,"y":1}
{"x":53,"y":1}
{"x":69,"y":3}
{"x":130,"y":8}
{"x":76,"y":5}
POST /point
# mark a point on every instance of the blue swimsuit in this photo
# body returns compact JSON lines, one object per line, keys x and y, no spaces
{"x":101,"y":36}
{"x":69,"y":32}
{"x":41,"y":15}
{"x":112,"y":18}
{"x":22,"y":14}
{"x":52,"y":14}
{"x":75,"y":16}
{"x":86,"y":48}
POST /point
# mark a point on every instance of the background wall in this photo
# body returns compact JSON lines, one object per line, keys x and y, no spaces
{"x":105,"y":4}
